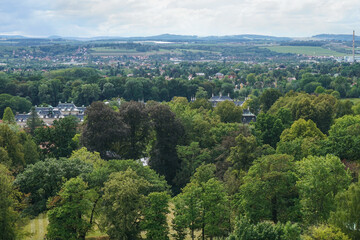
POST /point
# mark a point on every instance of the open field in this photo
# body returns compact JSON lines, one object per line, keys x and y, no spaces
{"x":305,"y":50}
{"x":37,"y":227}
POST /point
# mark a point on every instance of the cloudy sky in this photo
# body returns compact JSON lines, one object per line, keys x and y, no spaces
{"x":88,"y":18}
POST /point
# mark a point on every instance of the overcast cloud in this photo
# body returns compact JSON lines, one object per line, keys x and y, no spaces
{"x":88,"y":18}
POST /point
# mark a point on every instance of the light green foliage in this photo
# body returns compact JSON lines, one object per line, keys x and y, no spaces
{"x":228,"y":112}
{"x":8,"y":116}
{"x":88,"y":157}
{"x":320,"y":179}
{"x":302,"y":129}
{"x":245,"y":230}
{"x":100,"y":175}
{"x":356,"y":108}
{"x":253,"y":104}
{"x":155,"y":221}
{"x":319,"y":90}
{"x":344,"y":137}
{"x":45,"y":178}
{"x":202,"y":205}
{"x":325,"y":232}
{"x":302,"y":139}
{"x":346,"y":215}
{"x":269,"y":191}
{"x":197,"y":123}
{"x":191,"y":157}
{"x":70,"y":211}
{"x":9,"y":217}
{"x":123,"y":204}
{"x":320,"y":108}
{"x":10,"y":143}
{"x":201,"y":93}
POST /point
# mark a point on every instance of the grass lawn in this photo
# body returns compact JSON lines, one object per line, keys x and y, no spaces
{"x":37,"y":229}
{"x":305,"y":50}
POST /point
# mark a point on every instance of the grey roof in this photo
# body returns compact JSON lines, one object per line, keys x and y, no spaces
{"x":57,"y":112}
{"x":220,"y":98}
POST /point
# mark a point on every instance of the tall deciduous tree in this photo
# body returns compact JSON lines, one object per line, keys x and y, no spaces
{"x":202,"y":205}
{"x":33,"y":122}
{"x":346,"y":215}
{"x":268,"y":128}
{"x":44,"y":179}
{"x":9,"y":217}
{"x":103,"y":127}
{"x":344,"y":137}
{"x":8,"y":116}
{"x":123,"y":203}
{"x":269,"y":191}
{"x":57,"y":141}
{"x":268,"y":97}
{"x":155,"y":220}
{"x":228,"y":112}
{"x":136,"y":116}
{"x":69,"y":211}
{"x":320,"y":179}
{"x":169,"y":132}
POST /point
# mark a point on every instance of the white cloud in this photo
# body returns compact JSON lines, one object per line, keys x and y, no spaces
{"x":195,"y":17}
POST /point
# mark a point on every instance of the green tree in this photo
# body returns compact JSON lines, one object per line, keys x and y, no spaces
{"x":9,"y":220}
{"x":228,"y":112}
{"x":102,"y":128}
{"x":69,"y":211}
{"x":268,"y":98}
{"x":269,"y":191}
{"x":191,"y":158}
{"x":320,"y":179}
{"x":169,"y":132}
{"x":302,"y":139}
{"x":268,"y":128}
{"x":244,"y":153}
{"x":123,"y":205}
{"x":33,"y":122}
{"x":136,"y":116}
{"x":8,"y":116}
{"x":325,"y":232}
{"x":346,"y":215}
{"x":203,"y":205}
{"x":245,"y":230}
{"x":10,"y":143}
{"x":155,"y":221}
{"x":343,"y":137}
{"x":57,"y":141}
{"x":201,"y":93}
{"x":45,"y":178}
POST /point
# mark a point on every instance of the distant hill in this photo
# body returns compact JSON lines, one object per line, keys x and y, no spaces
{"x":12,"y":37}
{"x":337,"y":37}
{"x":177,"y":38}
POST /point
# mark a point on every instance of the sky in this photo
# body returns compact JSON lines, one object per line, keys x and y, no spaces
{"x":127,"y":18}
